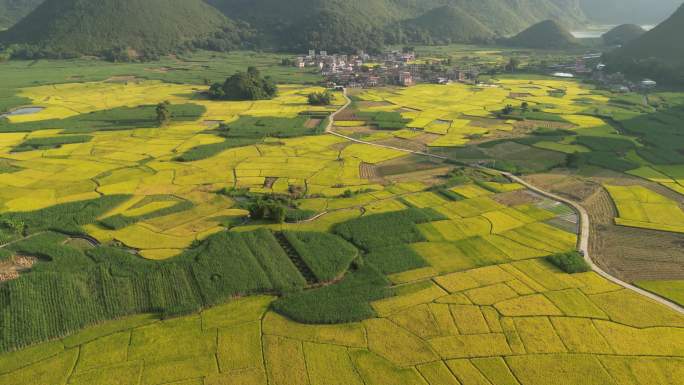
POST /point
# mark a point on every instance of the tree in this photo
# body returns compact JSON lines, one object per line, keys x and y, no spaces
{"x":163,"y":114}
{"x":320,"y":98}
{"x":248,"y":85}
{"x":574,"y":160}
{"x":524,"y":107}
{"x":512,"y":65}
{"x":508,"y":110}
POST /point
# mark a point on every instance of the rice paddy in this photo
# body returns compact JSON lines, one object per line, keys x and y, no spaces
{"x":640,"y":207}
{"x":425,"y":285}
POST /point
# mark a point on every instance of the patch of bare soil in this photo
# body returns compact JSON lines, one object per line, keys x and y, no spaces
{"x":430,"y":177}
{"x":566,"y":185}
{"x":484,"y":122}
{"x":312,"y":123}
{"x":426,"y":138}
{"x":369,"y":171}
{"x":533,"y":124}
{"x":516,"y":198}
{"x":407,"y":144}
{"x":211,"y":123}
{"x":269,"y":182}
{"x":346,"y":115}
{"x":355,"y":130}
{"x":369,"y":104}
{"x":11,"y":269}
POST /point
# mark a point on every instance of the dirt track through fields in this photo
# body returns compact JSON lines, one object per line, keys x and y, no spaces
{"x":585,"y":221}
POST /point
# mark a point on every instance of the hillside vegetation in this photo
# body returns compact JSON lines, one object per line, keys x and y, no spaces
{"x":548,"y":34}
{"x":142,"y":27}
{"x":349,"y":25}
{"x":445,"y":25}
{"x":623,"y":34}
{"x":655,"y":53}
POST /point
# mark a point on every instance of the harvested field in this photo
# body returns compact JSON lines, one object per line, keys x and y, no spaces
{"x":515,"y":198}
{"x":406,"y":165}
{"x":312,"y":123}
{"x":18,"y":264}
{"x":632,"y":254}
{"x":269,"y":182}
{"x":369,"y":171}
{"x":534,"y":124}
{"x":404,"y":143}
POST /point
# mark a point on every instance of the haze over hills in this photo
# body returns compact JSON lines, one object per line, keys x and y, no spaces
{"x":547,"y":34}
{"x":77,"y":27}
{"x":141,"y":27}
{"x":657,"y":53}
{"x":12,"y":11}
{"x":623,"y":34}
{"x":642,"y":12}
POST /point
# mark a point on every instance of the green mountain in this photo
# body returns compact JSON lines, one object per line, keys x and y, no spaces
{"x":623,"y":34}
{"x":547,"y":34}
{"x":365,"y":24}
{"x":629,"y":11}
{"x":656,"y":54}
{"x":12,"y":11}
{"x":131,"y":27}
{"x":446,"y":25}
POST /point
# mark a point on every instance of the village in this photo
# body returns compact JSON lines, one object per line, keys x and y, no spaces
{"x":405,"y":69}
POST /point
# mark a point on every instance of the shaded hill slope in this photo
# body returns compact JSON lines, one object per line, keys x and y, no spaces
{"x":547,"y":34}
{"x":623,"y":34}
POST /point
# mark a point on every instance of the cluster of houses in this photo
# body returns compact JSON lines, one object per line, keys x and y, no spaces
{"x":402,"y":68}
{"x":391,"y":68}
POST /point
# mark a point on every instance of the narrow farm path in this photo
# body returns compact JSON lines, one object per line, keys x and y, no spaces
{"x":583,"y":242}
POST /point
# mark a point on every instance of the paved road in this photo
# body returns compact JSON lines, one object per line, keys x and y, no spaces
{"x":585,"y":228}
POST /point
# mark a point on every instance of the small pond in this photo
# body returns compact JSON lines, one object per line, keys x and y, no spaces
{"x":23,"y":111}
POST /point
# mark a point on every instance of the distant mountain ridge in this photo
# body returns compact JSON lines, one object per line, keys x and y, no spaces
{"x":322,"y":24}
{"x":85,"y":27}
{"x":658,"y":53}
{"x":623,"y":34}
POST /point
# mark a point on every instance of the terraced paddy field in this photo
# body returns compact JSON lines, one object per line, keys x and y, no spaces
{"x":641,"y":207}
{"x":155,"y":257}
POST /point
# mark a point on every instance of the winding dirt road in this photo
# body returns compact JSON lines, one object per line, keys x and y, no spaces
{"x":583,"y":238}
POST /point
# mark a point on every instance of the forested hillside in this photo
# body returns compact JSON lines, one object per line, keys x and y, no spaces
{"x":656,"y":54}
{"x":120,"y":28}
{"x":356,"y":24}
{"x":623,"y":34}
{"x":547,"y":34}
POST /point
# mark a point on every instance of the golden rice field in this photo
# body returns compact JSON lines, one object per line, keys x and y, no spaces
{"x":516,"y":323}
{"x":455,"y":112}
{"x":486,"y":310}
{"x":139,"y":162}
{"x":639,"y":206}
